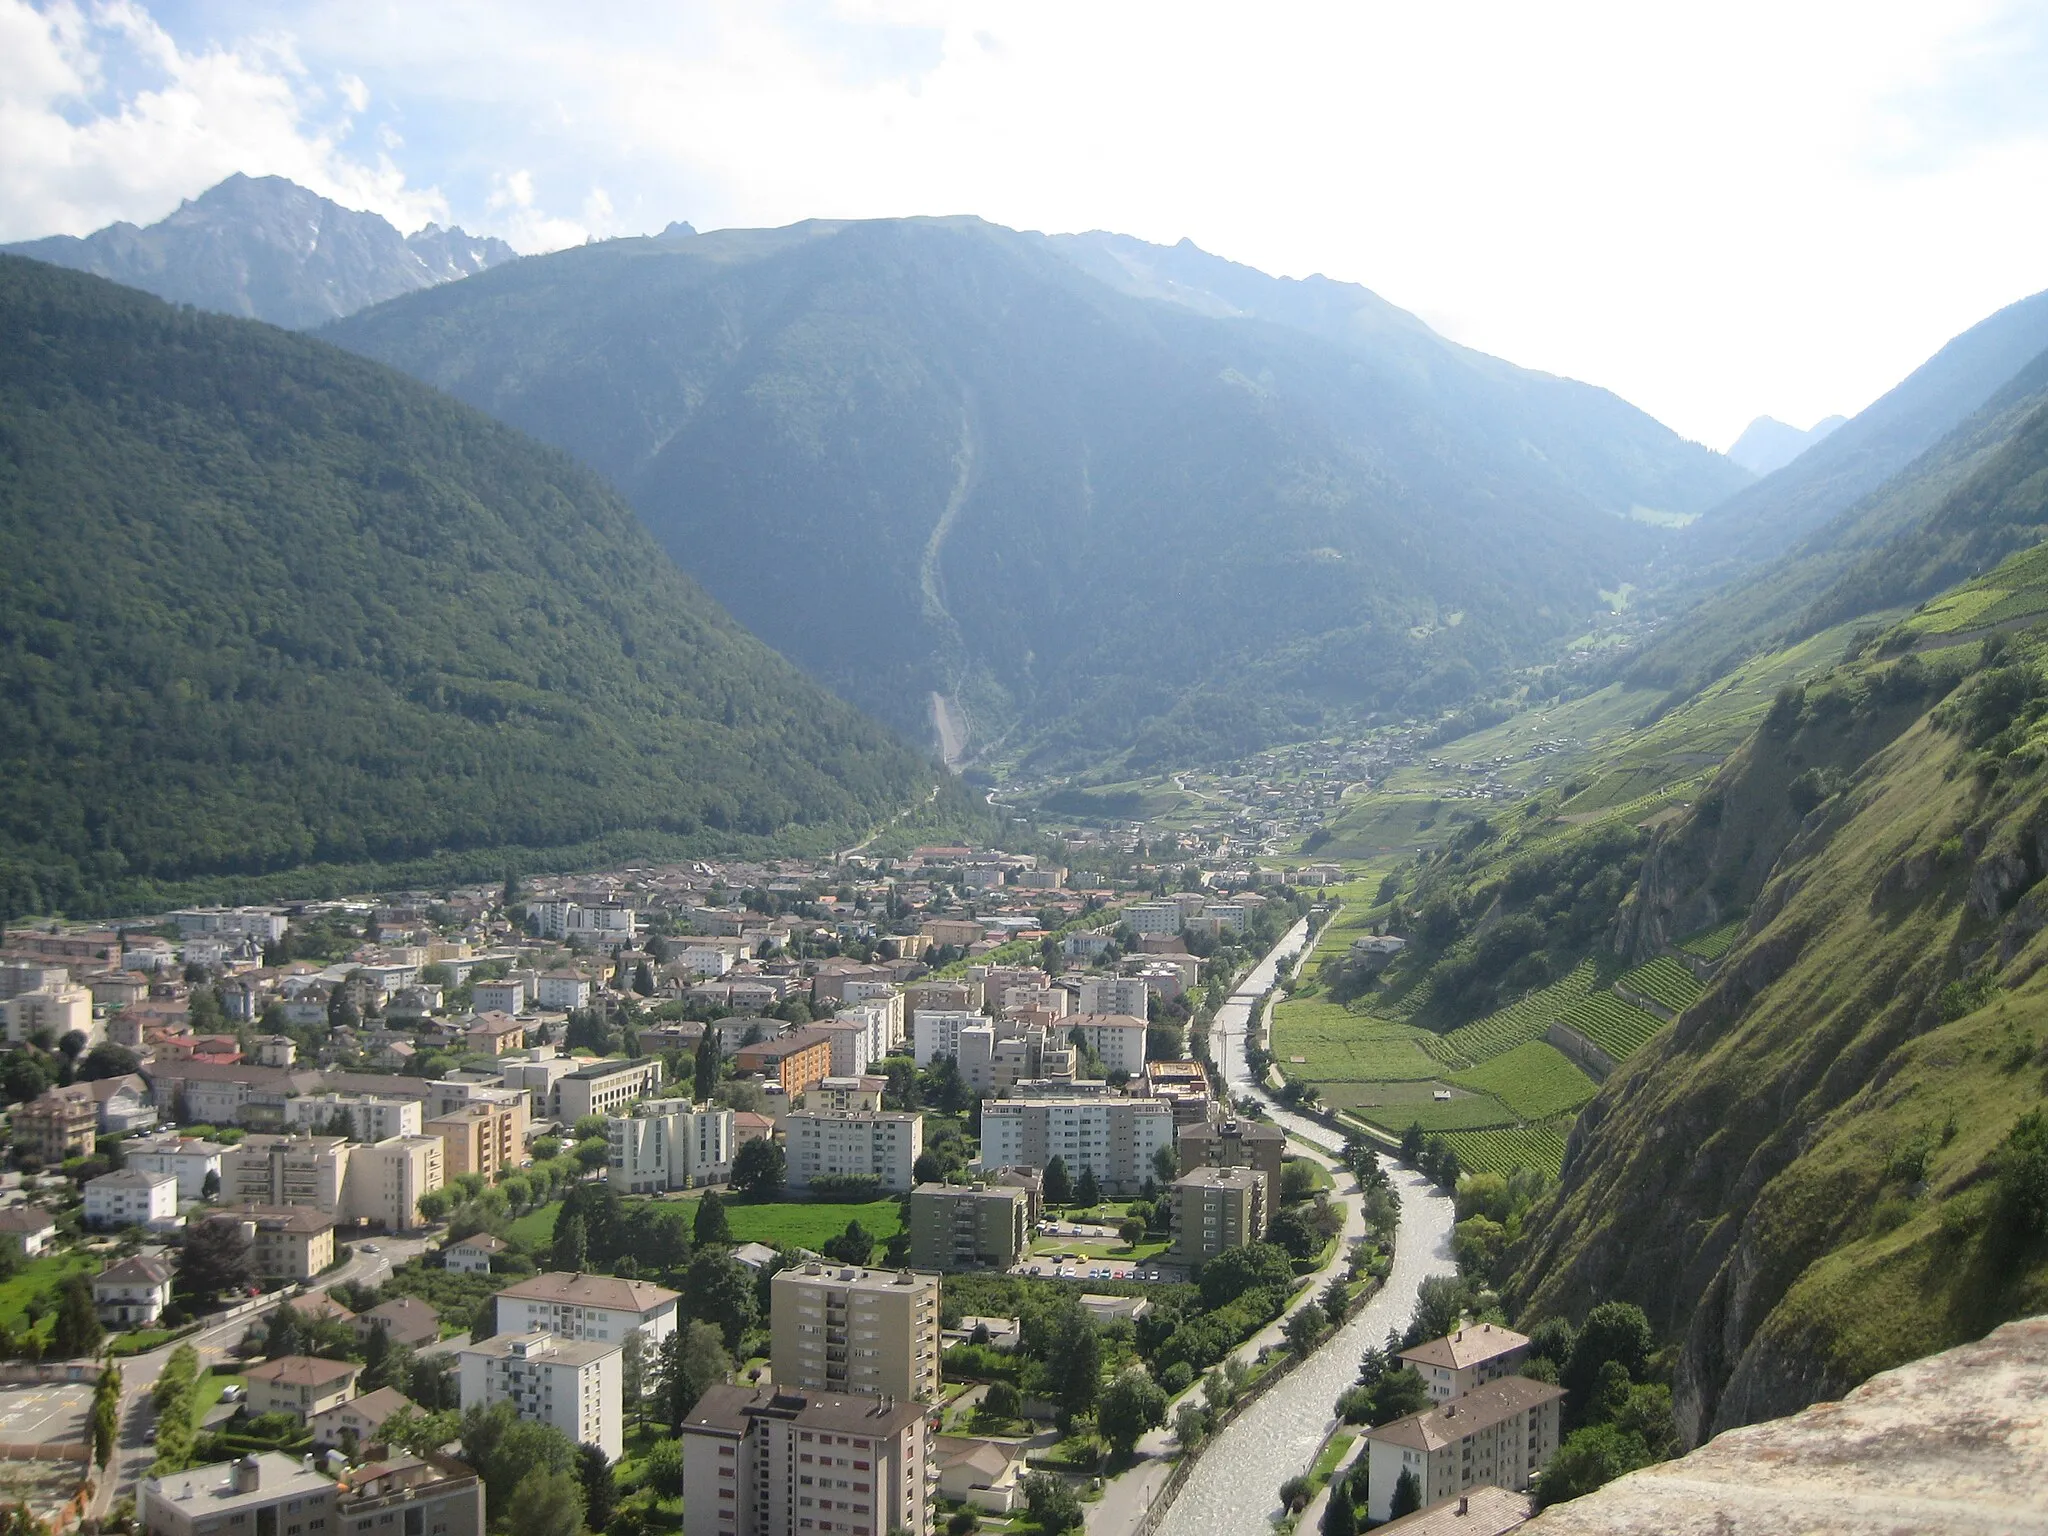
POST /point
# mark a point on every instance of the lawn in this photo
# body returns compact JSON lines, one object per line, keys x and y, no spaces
{"x":799,"y":1224}
{"x":207,"y":1390}
{"x":37,"y":1281}
{"x":1345,"y":1047}
{"x":537,"y":1227}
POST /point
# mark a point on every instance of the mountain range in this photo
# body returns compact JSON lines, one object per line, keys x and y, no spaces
{"x":277,"y":613}
{"x":268,"y":249}
{"x":1052,"y":500}
{"x":1768,"y":444}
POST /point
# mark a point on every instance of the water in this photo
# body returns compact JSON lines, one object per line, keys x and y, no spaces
{"x":1234,"y":1489}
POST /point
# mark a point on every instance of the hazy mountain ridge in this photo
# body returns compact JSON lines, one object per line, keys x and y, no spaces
{"x":267,"y":249}
{"x":1768,"y":444}
{"x":1088,"y":517}
{"x":273,"y":606}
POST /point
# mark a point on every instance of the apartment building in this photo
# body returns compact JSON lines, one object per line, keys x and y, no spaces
{"x":265,"y":1493}
{"x":935,"y":1032}
{"x":589,"y":1308}
{"x":132,"y":1198}
{"x":506,"y":997}
{"x":1469,"y":1358}
{"x":1215,"y":1209}
{"x":776,"y":1461}
{"x":483,"y":1137}
{"x":1502,"y":1434}
{"x":883,"y":995}
{"x":562,"y":989}
{"x":669,"y":1144}
{"x":1153,"y":917}
{"x":849,"y":1038}
{"x":886,"y":1143}
{"x":1114,"y":1137}
{"x":1117,"y":1038}
{"x":19,"y":976}
{"x":410,"y":1496}
{"x":285,"y":1242}
{"x":132,"y":1293}
{"x":604,"y":1088}
{"x":573,"y":1384}
{"x":62,"y":1123}
{"x":840,"y":1328}
{"x":387,"y":1179}
{"x":300,"y":1385}
{"x":956,"y":1227}
{"x":795,"y":1061}
{"x":60,"y":1010}
{"x":846,"y":1093}
{"x":1235,"y":1143}
{"x":369,"y":1118}
{"x":1115,"y":994}
{"x":950,"y":996}
{"x":380,"y":1184}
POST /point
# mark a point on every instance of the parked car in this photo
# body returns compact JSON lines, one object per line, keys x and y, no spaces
{"x":233,"y":1393}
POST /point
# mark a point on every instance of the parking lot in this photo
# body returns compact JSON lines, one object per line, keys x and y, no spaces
{"x":39,"y":1414}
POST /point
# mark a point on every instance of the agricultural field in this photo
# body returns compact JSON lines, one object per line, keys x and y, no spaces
{"x":1535,"y":1081}
{"x":1664,"y":981}
{"x":1620,"y":1029}
{"x":1520,"y":1022}
{"x":1715,"y":942}
{"x":1521,"y":1146}
{"x":1463,"y":1111}
{"x":1339,"y":1046}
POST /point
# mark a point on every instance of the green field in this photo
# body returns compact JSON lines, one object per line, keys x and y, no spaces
{"x":1340,"y":1046}
{"x":1521,"y":1146}
{"x":1464,"y":1112}
{"x":1715,"y":942}
{"x":1522,"y":1021}
{"x":1535,"y":1080}
{"x":37,"y":1281}
{"x":536,"y":1227}
{"x":1664,"y":981}
{"x":1620,"y":1029}
{"x":797,"y":1224}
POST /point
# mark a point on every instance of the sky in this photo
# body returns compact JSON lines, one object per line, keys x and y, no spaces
{"x":1717,"y":211}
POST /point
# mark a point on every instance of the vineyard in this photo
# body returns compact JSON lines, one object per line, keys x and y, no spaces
{"x":1665,"y":981}
{"x":1518,"y":1023}
{"x":1620,"y":1029}
{"x":1468,"y":1111}
{"x":1715,"y":942}
{"x":1519,"y":1146}
{"x":1534,"y":1080}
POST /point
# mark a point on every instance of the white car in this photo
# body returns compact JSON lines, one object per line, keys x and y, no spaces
{"x":369,"y":1247}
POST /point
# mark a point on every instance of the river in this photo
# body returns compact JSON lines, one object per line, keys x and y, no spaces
{"x":1234,"y":1489}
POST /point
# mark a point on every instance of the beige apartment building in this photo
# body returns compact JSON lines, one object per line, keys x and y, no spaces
{"x":409,"y":1496}
{"x":1471,"y":1357}
{"x":1503,"y":1434}
{"x":266,"y":1492}
{"x":1234,"y":1143}
{"x":1215,"y":1209}
{"x":483,"y":1138}
{"x":839,"y":1328}
{"x":285,"y":1242}
{"x":778,"y":1461}
{"x":604,"y":1088}
{"x":379,"y":1184}
{"x":957,"y":1226}
{"x":301,"y":1385}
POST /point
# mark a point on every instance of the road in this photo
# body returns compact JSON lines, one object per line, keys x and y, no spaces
{"x":215,"y":1345}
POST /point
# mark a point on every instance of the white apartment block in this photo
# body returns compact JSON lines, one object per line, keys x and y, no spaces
{"x":935,"y":1032}
{"x":876,"y":1017}
{"x":886,"y":1143}
{"x":593,"y":1308}
{"x":882,"y":995}
{"x":773,"y":1461}
{"x":499,"y":997}
{"x":570,"y":1383}
{"x":1115,"y":994}
{"x":1230,"y":914}
{"x":379,"y":1183}
{"x":189,"y":1159}
{"x":1115,"y":1137}
{"x":131,"y":1198}
{"x":704,"y":960}
{"x":369,"y":1118}
{"x":1118,"y":1038}
{"x":603,"y":1088}
{"x":1152,"y":917}
{"x":668,"y":1144}
{"x":1501,"y":1434}
{"x":562,"y":989}
{"x":258,"y":923}
{"x":851,"y":1050}
{"x":61,"y":1010}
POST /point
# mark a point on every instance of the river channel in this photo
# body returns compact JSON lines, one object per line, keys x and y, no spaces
{"x":1234,"y":1489}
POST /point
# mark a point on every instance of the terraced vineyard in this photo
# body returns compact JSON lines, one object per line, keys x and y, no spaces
{"x":1519,"y":1022}
{"x":1511,"y":1147}
{"x":1620,"y":1029}
{"x":1665,"y":981}
{"x":1535,"y":1080}
{"x":1715,"y":942}
{"x":1468,"y":1111}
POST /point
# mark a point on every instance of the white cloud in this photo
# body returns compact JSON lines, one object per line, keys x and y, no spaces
{"x":1714,"y":210}
{"x":104,"y":116}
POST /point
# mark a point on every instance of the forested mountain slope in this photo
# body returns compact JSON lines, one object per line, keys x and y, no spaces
{"x":271,"y":606}
{"x":267,"y":248}
{"x":935,"y":459}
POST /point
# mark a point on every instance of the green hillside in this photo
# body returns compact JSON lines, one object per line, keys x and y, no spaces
{"x":1094,"y":522}
{"x":273,"y":608}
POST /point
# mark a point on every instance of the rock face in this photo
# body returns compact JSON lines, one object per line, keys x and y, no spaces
{"x":1957,"y":1442}
{"x":267,"y":249}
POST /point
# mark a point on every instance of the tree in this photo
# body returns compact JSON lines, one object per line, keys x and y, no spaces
{"x":1002,"y":1400}
{"x":1247,"y":1267}
{"x":1614,"y":1331}
{"x":78,"y":1330}
{"x":1054,"y":1506}
{"x":1339,"y":1517}
{"x":760,"y":1170}
{"x":215,"y":1258}
{"x":856,"y":1245}
{"x":1588,"y":1459}
{"x":285,"y":1335}
{"x":692,"y":1359}
{"x":1165,"y":1164}
{"x":209,"y":1187}
{"x":1190,"y":1425}
{"x":1129,"y":1406}
{"x":107,"y":1060}
{"x":1305,"y":1329}
{"x":546,"y":1503}
{"x":643,"y":980}
{"x":1088,"y":1192}
{"x":633,"y":1373}
{"x":1407,"y":1495}
{"x":410,"y":1430}
{"x":711,"y":1226}
{"x":571,"y":1251}
{"x":707,"y":1065}
{"x":506,"y":1449}
{"x":665,"y":1468}
{"x":1059,"y":1185}
{"x":719,"y":1290}
{"x":1411,"y":1144}
{"x":600,"y":1491}
{"x":1077,"y":1369}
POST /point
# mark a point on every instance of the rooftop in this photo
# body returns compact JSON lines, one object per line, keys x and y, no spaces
{"x":542,"y":1345}
{"x":1467,"y":1347}
{"x":25,"y":1218}
{"x":302,"y":1371}
{"x":1481,"y":1408}
{"x":582,"y":1290}
{"x":1223,"y":1178}
{"x":608,"y":1067}
{"x":1482,"y":1511}
{"x":728,"y":1408}
{"x":203,"y":1492}
{"x":854,"y":1275}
